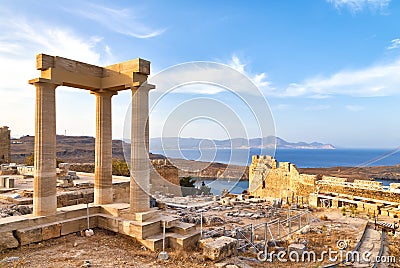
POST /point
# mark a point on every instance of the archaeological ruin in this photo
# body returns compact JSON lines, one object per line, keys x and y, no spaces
{"x":5,"y":146}
{"x":270,"y":179}
{"x":131,"y":216}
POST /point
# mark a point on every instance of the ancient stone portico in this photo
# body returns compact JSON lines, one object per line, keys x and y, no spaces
{"x":135,"y":218}
{"x":103,"y":82}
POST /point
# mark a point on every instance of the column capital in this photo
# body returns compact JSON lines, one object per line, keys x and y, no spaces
{"x":42,"y":80}
{"x":143,"y":86}
{"x":104,"y":92}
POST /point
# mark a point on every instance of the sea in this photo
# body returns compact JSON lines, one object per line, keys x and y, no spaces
{"x":303,"y":158}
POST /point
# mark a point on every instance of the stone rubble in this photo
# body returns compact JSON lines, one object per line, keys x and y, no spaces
{"x":15,"y":210}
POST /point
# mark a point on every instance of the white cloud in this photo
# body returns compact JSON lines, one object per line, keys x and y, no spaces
{"x":118,"y":20}
{"x":377,"y":80}
{"x":354,"y":108}
{"x":20,"y":41}
{"x":359,"y":5}
{"x":395,"y":43}
{"x":259,"y":79}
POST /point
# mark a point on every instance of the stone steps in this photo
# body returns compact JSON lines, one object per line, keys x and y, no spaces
{"x":172,"y":240}
{"x":147,"y":230}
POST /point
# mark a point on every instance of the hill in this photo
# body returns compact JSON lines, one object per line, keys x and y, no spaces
{"x":236,"y":143}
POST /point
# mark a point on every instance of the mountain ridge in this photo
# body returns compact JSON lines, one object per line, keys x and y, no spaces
{"x":173,"y":143}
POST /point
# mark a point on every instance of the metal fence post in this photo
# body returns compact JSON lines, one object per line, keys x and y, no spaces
{"x":201,"y":224}
{"x":279,"y":228}
{"x":252,"y":234}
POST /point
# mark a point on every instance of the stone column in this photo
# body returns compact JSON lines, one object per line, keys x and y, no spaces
{"x":103,"y":149}
{"x":45,"y":178}
{"x":140,"y":170}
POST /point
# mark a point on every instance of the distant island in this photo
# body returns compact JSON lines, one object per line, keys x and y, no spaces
{"x":173,"y":143}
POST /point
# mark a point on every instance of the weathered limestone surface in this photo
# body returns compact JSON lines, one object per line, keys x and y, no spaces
{"x":28,"y":236}
{"x":103,"y":149}
{"x":268,"y":178}
{"x":140,"y":169}
{"x":103,"y":82}
{"x":51,"y":231}
{"x":45,"y":181}
{"x":7,"y":241}
{"x":5,"y":148}
{"x":219,"y":248}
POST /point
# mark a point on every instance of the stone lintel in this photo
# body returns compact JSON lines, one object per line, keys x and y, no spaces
{"x":137,"y":65}
{"x":66,"y":72}
{"x":44,"y":62}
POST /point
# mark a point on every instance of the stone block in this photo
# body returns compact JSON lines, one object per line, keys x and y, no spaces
{"x":77,"y":224}
{"x":220,"y":248}
{"x":2,"y":181}
{"x":51,"y":231}
{"x":183,"y":228}
{"x":145,"y":229}
{"x":108,"y":223}
{"x":124,"y":227}
{"x":28,"y":236}
{"x":313,"y":200}
{"x":9,"y":183}
{"x":144,"y":216}
{"x":114,"y":209}
{"x":188,"y":241}
{"x":7,"y":241}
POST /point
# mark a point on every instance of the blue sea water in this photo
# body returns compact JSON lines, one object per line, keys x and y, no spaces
{"x":303,"y":158}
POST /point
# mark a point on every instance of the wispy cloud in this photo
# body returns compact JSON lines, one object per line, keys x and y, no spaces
{"x":20,"y":41}
{"x":395,"y":43}
{"x":354,"y":108}
{"x":259,"y":79}
{"x":122,"y":21}
{"x":356,"y":6}
{"x":377,"y":80}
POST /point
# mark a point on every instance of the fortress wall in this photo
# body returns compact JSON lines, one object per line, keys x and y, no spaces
{"x":362,"y":192}
{"x":280,"y":181}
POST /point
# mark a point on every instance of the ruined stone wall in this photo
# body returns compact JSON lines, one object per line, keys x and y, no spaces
{"x":5,"y":146}
{"x":121,"y":192}
{"x":164,"y":177}
{"x":377,"y":185}
{"x":268,"y":179}
{"x":75,"y":197}
{"x":304,"y":185}
{"x":162,"y":174}
{"x":367,"y":193}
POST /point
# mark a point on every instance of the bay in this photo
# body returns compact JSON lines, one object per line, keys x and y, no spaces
{"x":303,"y":158}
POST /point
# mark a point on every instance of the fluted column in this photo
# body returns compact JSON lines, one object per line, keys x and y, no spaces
{"x":45,"y":179}
{"x":140,"y":170}
{"x":103,"y":149}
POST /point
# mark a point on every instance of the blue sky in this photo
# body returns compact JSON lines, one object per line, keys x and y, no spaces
{"x":329,"y":69}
